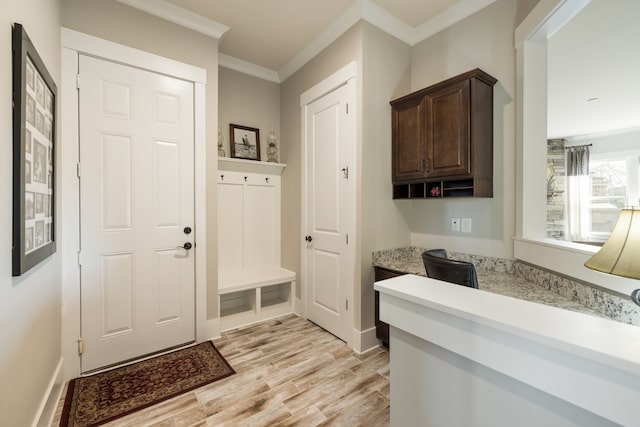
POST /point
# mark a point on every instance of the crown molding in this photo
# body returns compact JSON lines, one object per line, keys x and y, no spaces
{"x":387,"y":22}
{"x":249,"y":68}
{"x":360,"y":10}
{"x":338,"y":27}
{"x":177,"y":15}
{"x":366,"y":10}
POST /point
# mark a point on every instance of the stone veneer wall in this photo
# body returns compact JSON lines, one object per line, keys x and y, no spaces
{"x":556,"y":189}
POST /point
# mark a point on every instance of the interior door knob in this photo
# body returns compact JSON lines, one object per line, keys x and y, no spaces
{"x":186,"y":246}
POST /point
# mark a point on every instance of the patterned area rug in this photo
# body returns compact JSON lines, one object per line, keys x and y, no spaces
{"x":100,"y":398}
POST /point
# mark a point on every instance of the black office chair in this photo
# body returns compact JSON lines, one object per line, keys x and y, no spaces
{"x":438,"y":266}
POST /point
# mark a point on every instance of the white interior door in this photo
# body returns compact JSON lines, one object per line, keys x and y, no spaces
{"x":329,"y":210}
{"x":136,"y":200}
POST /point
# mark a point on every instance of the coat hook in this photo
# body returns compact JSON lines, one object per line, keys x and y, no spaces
{"x":245,"y":179}
{"x":267,"y":179}
{"x":222,"y":177}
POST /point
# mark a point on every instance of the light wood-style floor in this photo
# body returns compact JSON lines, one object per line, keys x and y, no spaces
{"x":289,"y":372}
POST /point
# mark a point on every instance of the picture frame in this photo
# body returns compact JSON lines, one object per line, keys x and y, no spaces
{"x":34,"y":122}
{"x":244,"y":142}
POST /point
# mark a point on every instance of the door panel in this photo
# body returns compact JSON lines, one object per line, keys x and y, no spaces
{"x":136,"y":197}
{"x":329,"y":146}
{"x":166,"y":180}
{"x":167,"y":293}
{"x":326,"y":274}
{"x":116,"y":286}
{"x":116,"y":181}
{"x":448,"y":131}
{"x":408,"y":141}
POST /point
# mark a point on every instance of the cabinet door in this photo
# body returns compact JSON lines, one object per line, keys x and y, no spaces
{"x":408,"y":141}
{"x":448,"y":131}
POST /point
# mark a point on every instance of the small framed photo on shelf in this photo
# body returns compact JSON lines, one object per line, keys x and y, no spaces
{"x":245,"y":142}
{"x":34,"y":118}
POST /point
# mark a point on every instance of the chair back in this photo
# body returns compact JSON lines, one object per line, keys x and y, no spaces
{"x":449,"y":270}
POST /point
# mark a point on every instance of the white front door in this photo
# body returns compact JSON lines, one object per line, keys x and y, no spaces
{"x":330,"y":209}
{"x":137,"y":211}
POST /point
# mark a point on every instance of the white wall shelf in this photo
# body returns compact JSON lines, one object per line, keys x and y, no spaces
{"x":251,"y":166}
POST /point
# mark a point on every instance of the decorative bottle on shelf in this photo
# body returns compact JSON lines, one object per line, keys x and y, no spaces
{"x":272,"y":149}
{"x":220,"y":143}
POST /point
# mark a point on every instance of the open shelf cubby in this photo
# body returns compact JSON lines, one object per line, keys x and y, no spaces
{"x":247,"y":297}
{"x":438,"y":189}
{"x":239,"y":302}
{"x":274,"y":295}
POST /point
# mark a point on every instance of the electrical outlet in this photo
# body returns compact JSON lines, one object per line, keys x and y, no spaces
{"x":455,"y":224}
{"x":466,"y":225}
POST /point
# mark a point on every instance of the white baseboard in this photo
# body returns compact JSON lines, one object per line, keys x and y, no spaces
{"x":365,"y":341}
{"x":213,"y":329}
{"x":47,"y":408}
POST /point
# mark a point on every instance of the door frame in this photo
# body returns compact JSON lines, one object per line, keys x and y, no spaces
{"x":326,"y":86}
{"x":73,"y":44}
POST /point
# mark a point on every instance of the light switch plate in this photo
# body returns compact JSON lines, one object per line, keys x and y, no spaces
{"x":455,"y":224}
{"x":466,"y":225}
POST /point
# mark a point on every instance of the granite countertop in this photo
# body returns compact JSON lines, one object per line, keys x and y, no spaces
{"x":494,"y":275}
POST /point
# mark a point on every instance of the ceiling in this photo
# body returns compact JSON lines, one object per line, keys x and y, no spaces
{"x":274,"y":34}
{"x":593,"y":56}
{"x":593,"y":66}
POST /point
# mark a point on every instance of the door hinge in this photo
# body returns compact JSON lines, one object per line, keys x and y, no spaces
{"x":346,"y":304}
{"x":347,"y":108}
{"x":78,"y":169}
{"x":77,"y":81}
{"x":347,"y":239}
{"x":79,"y":258}
{"x":80,"y":346}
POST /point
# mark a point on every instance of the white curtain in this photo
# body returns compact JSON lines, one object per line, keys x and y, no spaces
{"x":578,"y":193}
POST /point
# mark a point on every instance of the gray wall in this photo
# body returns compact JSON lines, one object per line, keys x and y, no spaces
{"x":30,"y":304}
{"x":248,"y":101}
{"x":122,"y":24}
{"x":386,"y":74}
{"x":483,"y":40}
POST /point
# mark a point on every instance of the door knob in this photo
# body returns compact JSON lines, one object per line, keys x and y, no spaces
{"x":308,"y":238}
{"x":186,"y":246}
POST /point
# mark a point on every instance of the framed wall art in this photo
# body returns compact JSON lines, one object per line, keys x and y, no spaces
{"x":245,"y":142}
{"x":34,"y":118}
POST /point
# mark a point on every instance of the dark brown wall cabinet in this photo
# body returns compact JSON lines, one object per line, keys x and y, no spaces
{"x":442,"y":139}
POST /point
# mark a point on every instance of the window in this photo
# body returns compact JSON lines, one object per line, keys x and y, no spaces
{"x":593,"y":202}
{"x":609,"y":194}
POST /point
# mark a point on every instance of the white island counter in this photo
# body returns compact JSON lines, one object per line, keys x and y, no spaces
{"x":466,"y":357}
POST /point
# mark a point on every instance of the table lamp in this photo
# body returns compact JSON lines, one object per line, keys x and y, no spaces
{"x":620,"y":255}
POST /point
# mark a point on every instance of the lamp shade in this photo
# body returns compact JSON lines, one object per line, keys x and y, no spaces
{"x":620,"y":255}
